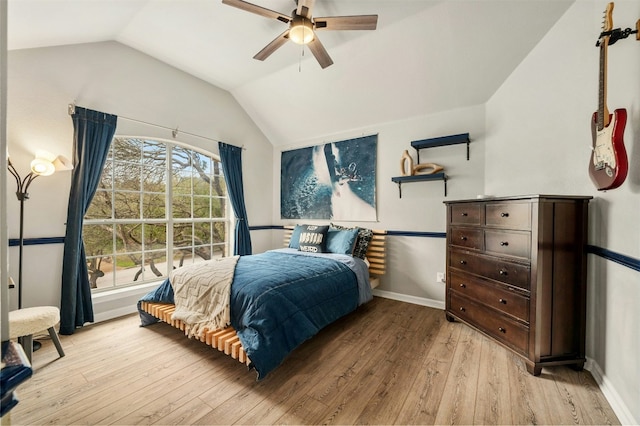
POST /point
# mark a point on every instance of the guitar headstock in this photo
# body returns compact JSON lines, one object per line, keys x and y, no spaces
{"x":607,"y":23}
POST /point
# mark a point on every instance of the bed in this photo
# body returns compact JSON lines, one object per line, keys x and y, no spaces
{"x":270,"y":312}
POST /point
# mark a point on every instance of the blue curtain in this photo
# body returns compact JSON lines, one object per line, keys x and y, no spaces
{"x":231,"y":157}
{"x":93,"y":132}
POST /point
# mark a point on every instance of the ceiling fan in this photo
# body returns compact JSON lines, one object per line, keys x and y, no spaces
{"x":302,"y":27}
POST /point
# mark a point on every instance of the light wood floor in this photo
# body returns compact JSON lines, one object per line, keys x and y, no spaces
{"x":388,"y":362}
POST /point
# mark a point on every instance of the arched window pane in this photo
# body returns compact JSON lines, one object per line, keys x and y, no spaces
{"x":158,"y":206}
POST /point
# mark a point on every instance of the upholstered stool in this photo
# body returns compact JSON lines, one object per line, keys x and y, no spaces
{"x":24,"y":323}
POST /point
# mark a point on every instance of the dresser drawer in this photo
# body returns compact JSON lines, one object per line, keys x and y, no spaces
{"x":467,"y":237}
{"x":511,"y":273}
{"x":510,"y":243}
{"x":503,"y":298}
{"x":509,"y":215}
{"x":498,"y":326}
{"x":466,"y":214}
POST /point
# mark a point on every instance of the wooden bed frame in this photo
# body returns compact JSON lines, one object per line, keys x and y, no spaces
{"x":226,"y":340}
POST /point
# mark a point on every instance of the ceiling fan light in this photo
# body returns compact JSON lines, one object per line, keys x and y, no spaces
{"x":301,"y":31}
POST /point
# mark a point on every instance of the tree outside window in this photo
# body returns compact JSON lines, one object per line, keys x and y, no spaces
{"x":159,"y":206}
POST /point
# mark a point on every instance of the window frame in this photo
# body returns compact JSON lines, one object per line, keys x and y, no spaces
{"x":169,"y":221}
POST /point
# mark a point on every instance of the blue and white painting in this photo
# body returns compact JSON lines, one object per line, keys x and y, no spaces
{"x":334,"y":181}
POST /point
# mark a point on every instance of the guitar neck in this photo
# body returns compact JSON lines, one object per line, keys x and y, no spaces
{"x":603,"y":111}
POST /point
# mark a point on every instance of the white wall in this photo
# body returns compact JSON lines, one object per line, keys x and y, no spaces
{"x":112,"y":78}
{"x":413,"y":261}
{"x":539,"y":140}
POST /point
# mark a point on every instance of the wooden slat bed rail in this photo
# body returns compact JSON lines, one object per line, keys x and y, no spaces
{"x":225,"y":340}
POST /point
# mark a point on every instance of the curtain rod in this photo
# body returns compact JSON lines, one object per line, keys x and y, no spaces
{"x":174,"y":132}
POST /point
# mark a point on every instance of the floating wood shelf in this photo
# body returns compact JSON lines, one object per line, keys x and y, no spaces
{"x":432,"y":143}
{"x":418,"y":178}
{"x":442,"y":141}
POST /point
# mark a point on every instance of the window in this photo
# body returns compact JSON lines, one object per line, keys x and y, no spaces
{"x":158,"y":206}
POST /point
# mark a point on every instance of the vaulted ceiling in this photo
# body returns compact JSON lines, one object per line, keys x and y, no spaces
{"x":426,"y":56}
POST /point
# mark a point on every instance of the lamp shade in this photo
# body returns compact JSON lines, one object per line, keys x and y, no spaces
{"x":42,"y":167}
{"x":45,"y":163}
{"x":62,"y":163}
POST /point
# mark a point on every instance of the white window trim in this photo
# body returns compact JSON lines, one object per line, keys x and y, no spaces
{"x":117,"y":301}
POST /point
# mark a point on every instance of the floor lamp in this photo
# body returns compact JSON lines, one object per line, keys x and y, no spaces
{"x":45,"y":164}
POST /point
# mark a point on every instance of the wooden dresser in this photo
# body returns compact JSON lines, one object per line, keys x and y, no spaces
{"x":516,"y":271}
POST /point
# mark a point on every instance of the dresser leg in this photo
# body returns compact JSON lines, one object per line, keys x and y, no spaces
{"x":534,"y":369}
{"x":578,"y":366}
{"x":449,"y":317}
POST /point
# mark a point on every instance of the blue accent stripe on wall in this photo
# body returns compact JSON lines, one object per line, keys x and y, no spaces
{"x":417,"y":234}
{"x":395,"y":233}
{"x":622,"y":259}
{"x":36,"y":241}
{"x":263,"y":227}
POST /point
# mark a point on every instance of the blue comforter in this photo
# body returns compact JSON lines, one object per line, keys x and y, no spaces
{"x":281,"y":298}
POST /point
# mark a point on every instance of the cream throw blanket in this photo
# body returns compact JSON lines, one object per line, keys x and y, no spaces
{"x":202,"y":293}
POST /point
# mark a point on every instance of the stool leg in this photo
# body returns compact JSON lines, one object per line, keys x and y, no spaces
{"x":56,"y":341}
{"x":27,"y":345}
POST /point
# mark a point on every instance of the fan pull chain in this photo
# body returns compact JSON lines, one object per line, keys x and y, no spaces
{"x":301,"y":56}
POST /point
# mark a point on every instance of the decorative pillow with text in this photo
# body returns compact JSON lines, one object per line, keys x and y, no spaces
{"x":313,"y":238}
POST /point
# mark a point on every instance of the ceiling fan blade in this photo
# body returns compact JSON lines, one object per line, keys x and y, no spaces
{"x":258,"y":10}
{"x":320,"y":52}
{"x":272,"y":47}
{"x":304,"y":8}
{"x":358,"y":22}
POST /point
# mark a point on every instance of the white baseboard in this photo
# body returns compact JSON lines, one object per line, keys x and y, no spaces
{"x":114,"y":313}
{"x":409,"y":299}
{"x":609,"y":392}
{"x":102,"y":314}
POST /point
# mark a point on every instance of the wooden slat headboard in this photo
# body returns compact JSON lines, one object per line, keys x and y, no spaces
{"x":375,"y":252}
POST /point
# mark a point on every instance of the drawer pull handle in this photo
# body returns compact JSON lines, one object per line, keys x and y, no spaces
{"x":462,"y":309}
{"x":502,"y":330}
{"x":504,"y":214}
{"x":503,"y":272}
{"x":463,"y":285}
{"x":464,"y":214}
{"x":504,"y":243}
{"x":463,"y":262}
{"x":504,"y":302}
{"x":463,"y":238}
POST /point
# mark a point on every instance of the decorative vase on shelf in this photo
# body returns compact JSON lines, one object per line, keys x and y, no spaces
{"x":427,"y":169}
{"x":406,"y":164}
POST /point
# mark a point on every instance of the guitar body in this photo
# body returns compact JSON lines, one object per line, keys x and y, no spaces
{"x":608,"y":166}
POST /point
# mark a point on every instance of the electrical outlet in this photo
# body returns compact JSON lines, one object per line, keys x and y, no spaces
{"x":440,"y":277}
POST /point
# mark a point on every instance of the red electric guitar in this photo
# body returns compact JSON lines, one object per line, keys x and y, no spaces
{"x":609,"y":165}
